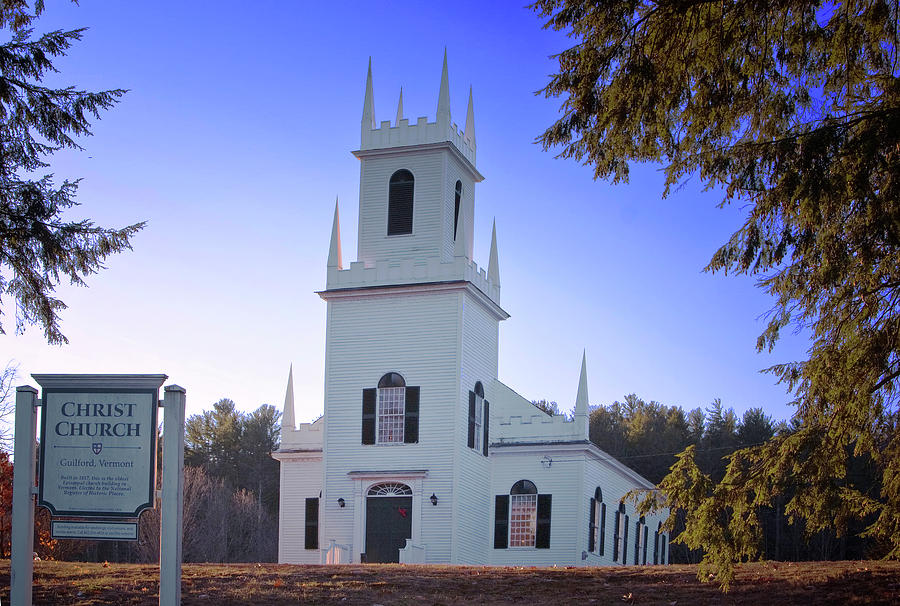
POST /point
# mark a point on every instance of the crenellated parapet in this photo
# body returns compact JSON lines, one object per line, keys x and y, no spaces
{"x":421,"y":132}
{"x":412,"y":271}
{"x":402,"y":133}
{"x":306,"y":436}
{"x":535,"y":428}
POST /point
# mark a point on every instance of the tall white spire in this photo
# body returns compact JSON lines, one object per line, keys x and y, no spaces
{"x":470,"y":121}
{"x":581,"y":401}
{"x":494,"y":260}
{"x":334,"y":250}
{"x":287,"y":417}
{"x":368,"y":115}
{"x":443,"y":108}
{"x":461,"y":246}
{"x":399,"y":108}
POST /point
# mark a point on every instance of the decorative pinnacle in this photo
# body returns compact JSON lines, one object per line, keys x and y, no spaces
{"x":368,"y":116}
{"x":443,"y":108}
{"x":493,"y":260}
{"x":287,"y":417}
{"x":470,"y":122}
{"x":334,"y":250}
{"x":581,"y":400}
{"x":399,"y":108}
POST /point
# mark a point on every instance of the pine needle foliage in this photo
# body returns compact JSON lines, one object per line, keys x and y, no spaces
{"x":39,"y":246}
{"x":791,"y":109}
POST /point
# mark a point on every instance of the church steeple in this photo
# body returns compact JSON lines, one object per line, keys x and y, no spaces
{"x":399,"y":108}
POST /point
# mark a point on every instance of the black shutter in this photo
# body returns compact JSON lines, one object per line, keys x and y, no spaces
{"x":411,"y":416}
{"x":602,"y":527}
{"x":542,"y":538}
{"x":471,"y":419}
{"x":501,"y":521}
{"x":311,"y":540}
{"x":368,"y":416}
{"x":592,"y":525}
{"x":625,"y":542}
{"x":486,"y":419}
{"x":616,"y":538}
{"x":644,"y":560}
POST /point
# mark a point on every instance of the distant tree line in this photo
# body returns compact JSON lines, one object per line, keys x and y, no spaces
{"x":649,"y":436}
{"x":231,"y":487}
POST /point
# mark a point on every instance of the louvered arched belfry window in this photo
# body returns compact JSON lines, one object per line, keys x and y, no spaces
{"x":400,"y":203}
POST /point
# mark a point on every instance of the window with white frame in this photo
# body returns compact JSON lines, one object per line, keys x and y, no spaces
{"x":479,"y":416}
{"x":522,"y":514}
{"x":597,"y":525}
{"x":391,"y":405}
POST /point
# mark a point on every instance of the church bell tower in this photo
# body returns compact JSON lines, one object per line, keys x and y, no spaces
{"x":411,"y":336}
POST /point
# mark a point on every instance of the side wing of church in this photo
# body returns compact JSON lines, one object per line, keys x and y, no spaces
{"x":422,"y":455}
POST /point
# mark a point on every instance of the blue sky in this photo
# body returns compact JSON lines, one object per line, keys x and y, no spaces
{"x":234,"y":141}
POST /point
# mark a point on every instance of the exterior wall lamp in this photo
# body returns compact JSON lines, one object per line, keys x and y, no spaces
{"x":433,"y":499}
{"x":341,"y":502}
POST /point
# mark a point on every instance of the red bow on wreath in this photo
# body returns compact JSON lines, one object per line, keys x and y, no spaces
{"x":402,"y":511}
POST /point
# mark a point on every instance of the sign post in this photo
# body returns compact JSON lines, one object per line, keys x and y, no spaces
{"x":21,"y":568}
{"x":172,"y":512}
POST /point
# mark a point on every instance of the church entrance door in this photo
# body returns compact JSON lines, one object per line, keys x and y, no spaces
{"x":388,"y":522}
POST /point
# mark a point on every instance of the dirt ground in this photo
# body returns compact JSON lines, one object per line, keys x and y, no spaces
{"x":808,"y":583}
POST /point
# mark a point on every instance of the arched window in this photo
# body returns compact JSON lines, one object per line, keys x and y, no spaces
{"x":597,"y":526}
{"x":390,"y":413}
{"x":400,"y":203}
{"x":478,"y":420}
{"x":456,"y":208}
{"x":522,"y":517}
{"x":390,"y":489}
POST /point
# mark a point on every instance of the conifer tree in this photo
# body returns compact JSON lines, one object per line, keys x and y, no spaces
{"x":39,"y":247}
{"x":792,"y":110}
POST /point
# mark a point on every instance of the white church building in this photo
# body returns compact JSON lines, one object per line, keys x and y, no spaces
{"x":422,"y":454}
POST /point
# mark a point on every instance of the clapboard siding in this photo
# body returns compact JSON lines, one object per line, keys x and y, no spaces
{"x":479,"y":341}
{"x":455,"y":172}
{"x":559,"y":480}
{"x":428,"y":207}
{"x":300,"y":479}
{"x":615,"y":485}
{"x":414,"y":335}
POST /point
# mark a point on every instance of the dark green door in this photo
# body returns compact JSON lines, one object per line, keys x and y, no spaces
{"x":388,"y":525}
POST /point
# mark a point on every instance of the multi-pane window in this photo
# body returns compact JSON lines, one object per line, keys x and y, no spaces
{"x":522,"y":520}
{"x":390,"y":412}
{"x":597,"y":525}
{"x":479,"y":421}
{"x":391,"y":405}
{"x":522,"y":517}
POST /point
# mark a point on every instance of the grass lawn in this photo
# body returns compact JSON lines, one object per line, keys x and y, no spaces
{"x":808,"y":583}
